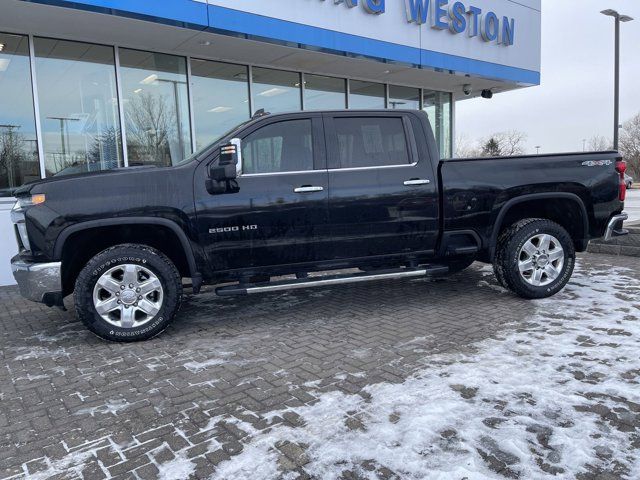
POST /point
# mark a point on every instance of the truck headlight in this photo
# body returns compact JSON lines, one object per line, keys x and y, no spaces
{"x":18,"y":218}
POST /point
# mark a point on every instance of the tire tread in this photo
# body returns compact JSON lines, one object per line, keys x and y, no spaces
{"x":83,"y":295}
{"x":508,"y":277}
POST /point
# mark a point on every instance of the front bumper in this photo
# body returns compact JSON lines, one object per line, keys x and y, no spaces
{"x":38,"y":282}
{"x":615,"y":227}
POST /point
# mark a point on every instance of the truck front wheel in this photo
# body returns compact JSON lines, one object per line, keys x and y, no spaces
{"x":128,"y":293}
{"x":535,"y":258}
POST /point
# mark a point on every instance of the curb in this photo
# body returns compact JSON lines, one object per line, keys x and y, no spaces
{"x":628,"y":245}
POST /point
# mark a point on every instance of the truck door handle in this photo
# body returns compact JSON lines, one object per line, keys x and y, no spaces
{"x":308,"y":189}
{"x":416,"y":181}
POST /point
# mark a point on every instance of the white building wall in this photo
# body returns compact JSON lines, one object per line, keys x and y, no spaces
{"x":393,"y":27}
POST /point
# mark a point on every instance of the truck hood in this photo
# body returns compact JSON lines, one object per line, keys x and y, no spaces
{"x":27,"y":188}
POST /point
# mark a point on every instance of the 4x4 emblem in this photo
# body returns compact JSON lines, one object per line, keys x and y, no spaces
{"x":596,"y":163}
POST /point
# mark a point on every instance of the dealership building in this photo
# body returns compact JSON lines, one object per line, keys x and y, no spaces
{"x":89,"y":85}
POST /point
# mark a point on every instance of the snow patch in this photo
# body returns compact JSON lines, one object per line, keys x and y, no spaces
{"x":112,"y":407}
{"x":179,"y":468}
{"x":31,"y":353}
{"x":527,"y":402}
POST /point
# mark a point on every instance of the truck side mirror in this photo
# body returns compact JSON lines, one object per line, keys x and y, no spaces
{"x":230,"y":163}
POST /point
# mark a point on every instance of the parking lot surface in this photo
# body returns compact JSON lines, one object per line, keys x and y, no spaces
{"x":450,"y":378}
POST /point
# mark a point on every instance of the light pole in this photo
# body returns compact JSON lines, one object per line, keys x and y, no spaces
{"x":176,"y":100}
{"x":537,"y":149}
{"x":616,"y":105}
{"x":64,"y":135}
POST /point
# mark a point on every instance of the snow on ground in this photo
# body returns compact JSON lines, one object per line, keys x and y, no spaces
{"x":179,"y":468}
{"x":557,"y":395}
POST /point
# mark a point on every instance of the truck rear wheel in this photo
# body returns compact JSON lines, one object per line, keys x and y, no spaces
{"x":128,"y":293}
{"x":535,"y":258}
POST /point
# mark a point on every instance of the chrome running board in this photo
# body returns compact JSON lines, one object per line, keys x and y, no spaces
{"x":320,"y":281}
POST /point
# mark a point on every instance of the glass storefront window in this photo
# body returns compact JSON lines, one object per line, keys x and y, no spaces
{"x":156,"y":107}
{"x":78,"y":106}
{"x":364,"y":95}
{"x":79,"y":114}
{"x":324,"y":93}
{"x":404,"y":98}
{"x":220,"y":98}
{"x":275,"y":90}
{"x":438,"y":107}
{"x":18,"y":147}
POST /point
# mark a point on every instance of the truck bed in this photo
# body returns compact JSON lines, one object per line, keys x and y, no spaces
{"x":474,"y":191}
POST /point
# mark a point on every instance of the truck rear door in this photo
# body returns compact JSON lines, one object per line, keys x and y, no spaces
{"x":382,"y":192}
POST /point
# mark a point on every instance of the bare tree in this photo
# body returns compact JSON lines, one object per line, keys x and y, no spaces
{"x":466,"y":148}
{"x":105,"y":149}
{"x":630,"y":145}
{"x":598,"y":143}
{"x":11,"y":154}
{"x":149,"y":129}
{"x":503,"y":144}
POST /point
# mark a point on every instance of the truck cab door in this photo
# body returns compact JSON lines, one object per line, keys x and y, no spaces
{"x":279,"y":213}
{"x":383,"y":197}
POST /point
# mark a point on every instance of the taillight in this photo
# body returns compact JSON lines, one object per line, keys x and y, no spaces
{"x":621,"y":167}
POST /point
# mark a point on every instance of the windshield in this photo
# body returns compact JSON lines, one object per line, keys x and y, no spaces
{"x":209,"y":146}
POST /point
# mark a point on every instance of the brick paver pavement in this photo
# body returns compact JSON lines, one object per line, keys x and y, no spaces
{"x":72,"y":405}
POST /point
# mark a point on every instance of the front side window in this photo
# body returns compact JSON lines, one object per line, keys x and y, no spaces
{"x":156,"y":107}
{"x":18,"y":147}
{"x":78,"y":106}
{"x":371,"y":142}
{"x":279,"y":147}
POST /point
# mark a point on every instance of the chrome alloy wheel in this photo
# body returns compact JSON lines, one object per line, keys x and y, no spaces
{"x":541,"y":259}
{"x":128,"y":296}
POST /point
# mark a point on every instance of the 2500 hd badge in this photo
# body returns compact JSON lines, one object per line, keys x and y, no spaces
{"x":233,"y":229}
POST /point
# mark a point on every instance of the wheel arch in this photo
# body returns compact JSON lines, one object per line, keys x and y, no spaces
{"x":104,"y":233}
{"x":535,"y":205}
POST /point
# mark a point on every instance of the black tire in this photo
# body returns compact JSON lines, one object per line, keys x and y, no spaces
{"x":508,"y":253}
{"x":497,"y":262}
{"x":139,"y":255}
{"x":458,"y":264}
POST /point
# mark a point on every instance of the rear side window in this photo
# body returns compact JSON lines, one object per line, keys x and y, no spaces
{"x":371,"y":142}
{"x":285,"y":146}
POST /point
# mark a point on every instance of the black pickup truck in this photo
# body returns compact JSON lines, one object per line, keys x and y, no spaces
{"x":293,"y":194}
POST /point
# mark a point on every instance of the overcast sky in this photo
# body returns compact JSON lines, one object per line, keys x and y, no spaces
{"x":575,"y":98}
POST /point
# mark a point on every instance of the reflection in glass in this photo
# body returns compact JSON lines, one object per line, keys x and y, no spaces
{"x":156,"y":107}
{"x":324,"y":93}
{"x":78,"y":106}
{"x":364,"y":95}
{"x":438,"y":107}
{"x":18,"y":147}
{"x":371,"y":142}
{"x":220,"y":98}
{"x":404,"y":97}
{"x":276,"y":91}
{"x":279,"y":147}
